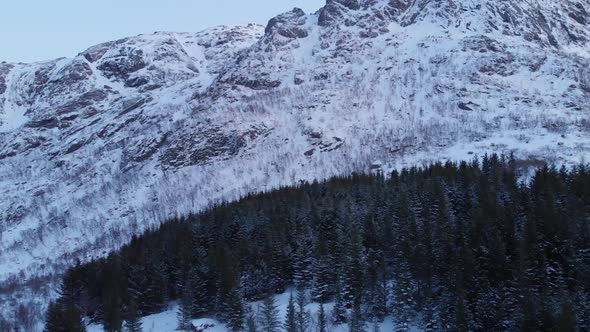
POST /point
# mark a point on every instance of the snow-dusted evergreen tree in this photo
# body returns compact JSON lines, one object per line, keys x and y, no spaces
{"x":375,"y":276}
{"x":403,"y":297}
{"x":375,"y":326}
{"x":234,"y":307}
{"x":567,"y":320}
{"x":355,"y":322}
{"x":460,"y":320}
{"x":430,"y":320}
{"x":303,"y":315}
{"x":339,"y":315}
{"x":322,"y":279}
{"x":185,"y":308}
{"x":302,"y":264}
{"x":323,"y":266}
{"x":322,"y":319}
{"x":199,"y":289}
{"x":269,"y":315}
{"x":281,"y":266}
{"x":65,"y":314}
{"x":251,"y":324}
{"x":352,"y":290}
{"x":54,"y":320}
{"x":290,"y":324}
{"x":62,"y":317}
{"x":377,"y":297}
{"x":133,"y":318}
{"x":155,"y":292}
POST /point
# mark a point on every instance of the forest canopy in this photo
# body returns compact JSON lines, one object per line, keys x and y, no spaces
{"x":454,"y":246}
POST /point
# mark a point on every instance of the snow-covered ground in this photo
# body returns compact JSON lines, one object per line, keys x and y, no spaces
{"x":167,"y":321}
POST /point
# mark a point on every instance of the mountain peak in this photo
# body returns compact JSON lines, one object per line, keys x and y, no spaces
{"x":288,"y":24}
{"x":547,"y":23}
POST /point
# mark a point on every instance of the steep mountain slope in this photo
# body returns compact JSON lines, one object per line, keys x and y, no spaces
{"x":128,"y":133}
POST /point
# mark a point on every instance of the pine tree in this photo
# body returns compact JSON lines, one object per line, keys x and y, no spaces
{"x":403,"y":297}
{"x":356,"y":323}
{"x":133,"y":321}
{"x":352,"y":290}
{"x":431,"y":322}
{"x":377,"y":300}
{"x":303,"y":316}
{"x":322,"y":279}
{"x":322,"y":323}
{"x":251,"y":324}
{"x":73,"y":319}
{"x":235,"y":310}
{"x":185,"y":309}
{"x":64,"y":314}
{"x":461,"y":321}
{"x":281,"y":267}
{"x":55,"y":318}
{"x":302,"y":273}
{"x":290,"y":324}
{"x":112,"y":314}
{"x":137,"y":285}
{"x":201,"y":300}
{"x":567,"y":318}
{"x":323,"y":265}
{"x":269,"y":320}
{"x":376,"y":327}
{"x":227,"y":277}
{"x":64,"y":317}
{"x":339,"y":311}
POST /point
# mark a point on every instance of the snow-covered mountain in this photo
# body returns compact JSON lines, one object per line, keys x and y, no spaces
{"x":128,"y":133}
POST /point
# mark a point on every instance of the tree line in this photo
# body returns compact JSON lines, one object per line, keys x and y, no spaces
{"x":451,"y":246}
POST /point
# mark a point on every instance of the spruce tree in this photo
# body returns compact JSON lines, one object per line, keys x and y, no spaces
{"x":251,"y":324}
{"x":64,"y":314}
{"x":74,"y":320}
{"x":377,"y":299}
{"x":322,"y":322}
{"x":339,"y":311}
{"x":356,"y":323}
{"x":461,"y":320}
{"x":302,"y":272}
{"x":353,"y":280}
{"x":376,"y":327}
{"x":201,"y":300}
{"x":269,"y":320}
{"x":403,"y":297}
{"x":322,"y":279}
{"x":185,"y":308}
{"x":54,"y":319}
{"x":303,"y":316}
{"x":155,"y":291}
{"x":235,"y":310}
{"x":133,"y":320}
{"x":567,"y":318}
{"x":290,"y":324}
{"x":64,"y":317}
{"x":112,"y":314}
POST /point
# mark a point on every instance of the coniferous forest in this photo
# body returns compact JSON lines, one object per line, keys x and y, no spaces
{"x":453,"y":247}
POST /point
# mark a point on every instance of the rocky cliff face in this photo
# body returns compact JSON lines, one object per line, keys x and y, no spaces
{"x":128,"y":133}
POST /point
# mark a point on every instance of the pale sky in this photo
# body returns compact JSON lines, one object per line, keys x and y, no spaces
{"x":36,"y":30}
